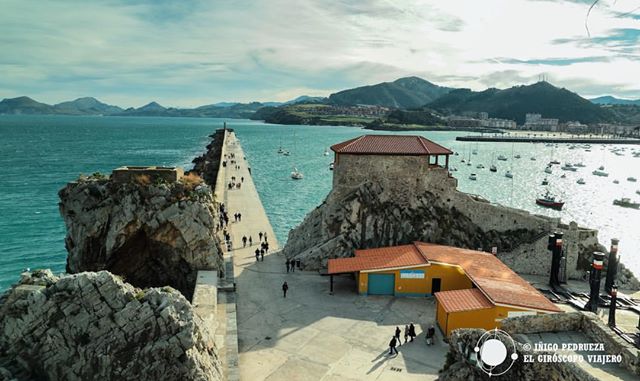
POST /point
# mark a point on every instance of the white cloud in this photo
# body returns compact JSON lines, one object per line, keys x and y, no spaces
{"x":194,"y":52}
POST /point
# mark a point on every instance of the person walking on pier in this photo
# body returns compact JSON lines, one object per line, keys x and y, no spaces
{"x":258,"y":258}
{"x":287,"y":263}
{"x":265,"y":236}
{"x":250,"y":241}
{"x":244,"y":241}
{"x":406,"y":333}
{"x":285,"y":287}
{"x":239,"y":217}
{"x":242,"y":179}
{"x":260,"y":236}
{"x":261,"y":255}
{"x":431,"y":332}
{"x":392,"y":346}
{"x":293,"y":265}
{"x":397,"y":335}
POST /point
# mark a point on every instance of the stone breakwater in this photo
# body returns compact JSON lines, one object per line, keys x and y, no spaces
{"x":400,"y":208}
{"x":93,"y":326}
{"x":152,"y":234}
{"x":208,"y":164}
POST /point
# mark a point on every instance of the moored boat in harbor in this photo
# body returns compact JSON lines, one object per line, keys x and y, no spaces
{"x":549,"y":201}
{"x":625,"y":202}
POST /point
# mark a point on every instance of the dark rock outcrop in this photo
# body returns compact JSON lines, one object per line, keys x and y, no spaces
{"x":208,"y":164}
{"x":93,"y":326}
{"x":151,"y":234}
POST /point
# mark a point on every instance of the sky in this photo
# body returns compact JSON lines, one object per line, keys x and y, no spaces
{"x":189,"y":53}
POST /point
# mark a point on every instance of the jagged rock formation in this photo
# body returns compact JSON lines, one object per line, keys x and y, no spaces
{"x":400,"y":208}
{"x":459,"y":366}
{"x":93,"y":326}
{"x":152,"y":234}
{"x":208,"y":164}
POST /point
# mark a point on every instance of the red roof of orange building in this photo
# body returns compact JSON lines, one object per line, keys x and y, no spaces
{"x":496,"y":280}
{"x":463,"y":300}
{"x":381,"y":258}
{"x":390,"y":145}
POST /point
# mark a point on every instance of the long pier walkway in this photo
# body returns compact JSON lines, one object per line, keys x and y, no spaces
{"x":311,"y":334}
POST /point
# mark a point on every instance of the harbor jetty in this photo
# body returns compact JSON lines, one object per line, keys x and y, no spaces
{"x":547,"y":139}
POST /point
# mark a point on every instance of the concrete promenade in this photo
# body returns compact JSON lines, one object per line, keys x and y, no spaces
{"x":312,"y":335}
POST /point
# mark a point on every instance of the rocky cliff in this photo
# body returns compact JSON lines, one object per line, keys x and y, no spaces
{"x":208,"y":164}
{"x":394,"y":210}
{"x":93,"y":326}
{"x":151,"y":233}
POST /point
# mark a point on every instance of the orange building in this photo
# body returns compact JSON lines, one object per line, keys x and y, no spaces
{"x":473,"y":289}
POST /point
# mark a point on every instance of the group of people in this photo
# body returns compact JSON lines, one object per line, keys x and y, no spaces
{"x":237,"y":217}
{"x":291,"y":264}
{"x":409,"y":335}
{"x":264,"y":247}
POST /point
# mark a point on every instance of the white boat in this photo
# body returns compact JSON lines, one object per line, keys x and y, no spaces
{"x":331,"y":167}
{"x":480,"y":166}
{"x":502,"y":157}
{"x":616,"y":182}
{"x":638,"y":192}
{"x":280,"y":150}
{"x":296,"y":175}
{"x":581,"y":181}
{"x":533,"y":158}
{"x":601,"y":168}
{"x":600,"y":173}
{"x":568,"y":167}
{"x":548,"y":170}
{"x":473,"y":177}
{"x":579,"y":165}
{"x":475,"y":152}
{"x":517,"y":156}
{"x":286,"y":153}
{"x":545,"y":181}
{"x":493,"y":168}
{"x":326,"y":152}
{"x":508,"y":174}
{"x":469,"y":163}
{"x":632,"y":179}
{"x":563,"y":176}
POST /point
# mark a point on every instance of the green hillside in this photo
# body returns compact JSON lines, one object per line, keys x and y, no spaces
{"x":409,"y":92}
{"x":515,"y":102}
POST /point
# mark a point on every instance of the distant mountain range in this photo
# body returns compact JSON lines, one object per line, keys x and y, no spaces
{"x":609,"y":100}
{"x":426,"y":102}
{"x":515,"y":102}
{"x":409,"y":92}
{"x":92,"y":106}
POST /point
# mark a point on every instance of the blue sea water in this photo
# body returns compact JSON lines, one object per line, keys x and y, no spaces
{"x":40,"y":154}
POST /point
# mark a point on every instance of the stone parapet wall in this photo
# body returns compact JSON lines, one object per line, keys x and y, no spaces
{"x":588,"y":323}
{"x":131,"y":173}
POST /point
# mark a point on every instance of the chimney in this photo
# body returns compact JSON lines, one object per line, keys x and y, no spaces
{"x":594,"y":282}
{"x":612,"y":267}
{"x":555,"y":246}
{"x":612,"y":307}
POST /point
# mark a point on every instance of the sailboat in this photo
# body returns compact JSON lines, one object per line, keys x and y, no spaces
{"x":296,"y":175}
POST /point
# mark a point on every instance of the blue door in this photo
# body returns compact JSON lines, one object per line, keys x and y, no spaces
{"x":381,"y":284}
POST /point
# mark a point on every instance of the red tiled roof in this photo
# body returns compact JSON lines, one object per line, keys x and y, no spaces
{"x":382,"y":258}
{"x":496,"y":280}
{"x":390,"y":145}
{"x":463,"y":300}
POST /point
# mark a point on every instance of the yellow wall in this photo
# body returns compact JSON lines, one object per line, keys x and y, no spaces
{"x":488,"y":318}
{"x":451,"y":278}
{"x":441,"y":317}
{"x":484,"y":318}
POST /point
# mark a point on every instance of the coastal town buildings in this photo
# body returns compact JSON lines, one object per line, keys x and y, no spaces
{"x":537,"y":123}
